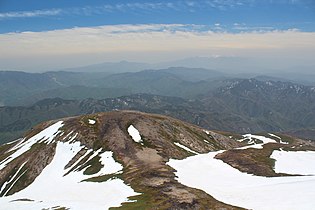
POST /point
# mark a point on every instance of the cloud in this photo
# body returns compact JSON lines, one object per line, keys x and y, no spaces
{"x":180,"y":5}
{"x":26,"y":14}
{"x":147,"y":37}
{"x":127,"y":41}
{"x":191,"y":5}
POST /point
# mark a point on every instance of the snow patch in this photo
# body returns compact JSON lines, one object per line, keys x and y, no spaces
{"x":185,"y":148}
{"x":251,"y":140}
{"x":47,"y":136}
{"x":294,"y":162}
{"x":231,"y":186}
{"x":264,"y":139}
{"x":91,"y":122}
{"x":134,"y":133}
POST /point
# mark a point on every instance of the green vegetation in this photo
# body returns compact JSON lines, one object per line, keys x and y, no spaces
{"x":94,"y":166}
{"x":143,"y":202}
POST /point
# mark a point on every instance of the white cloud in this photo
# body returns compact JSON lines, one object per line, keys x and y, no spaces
{"x":191,"y":5}
{"x":35,"y":13}
{"x":145,"y":40}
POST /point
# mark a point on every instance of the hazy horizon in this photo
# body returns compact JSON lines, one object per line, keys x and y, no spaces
{"x":37,"y":37}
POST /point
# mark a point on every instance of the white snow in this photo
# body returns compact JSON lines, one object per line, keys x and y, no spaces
{"x":281,"y":142}
{"x":264,"y":139}
{"x":297,"y":162}
{"x":273,"y":135}
{"x":92,"y":122}
{"x":185,"y":148}
{"x":51,"y":188}
{"x":251,"y":140}
{"x":134,"y":133}
{"x":231,"y":186}
{"x":47,"y":135}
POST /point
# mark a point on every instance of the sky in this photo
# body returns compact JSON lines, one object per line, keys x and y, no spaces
{"x":38,"y":35}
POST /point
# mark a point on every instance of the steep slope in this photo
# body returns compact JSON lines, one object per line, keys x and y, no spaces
{"x":125,"y":152}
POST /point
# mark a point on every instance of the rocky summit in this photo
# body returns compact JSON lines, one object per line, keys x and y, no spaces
{"x":128,"y":160}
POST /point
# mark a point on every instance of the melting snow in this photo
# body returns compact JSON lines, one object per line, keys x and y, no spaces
{"x":47,"y":136}
{"x":92,"y":122}
{"x":52,"y":188}
{"x":185,"y":148}
{"x":207,"y":132}
{"x":231,"y":186}
{"x":134,"y":133}
{"x":264,"y":139}
{"x":298,"y":162}
{"x":251,"y":141}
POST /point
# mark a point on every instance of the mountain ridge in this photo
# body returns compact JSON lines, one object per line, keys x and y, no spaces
{"x":140,"y":156}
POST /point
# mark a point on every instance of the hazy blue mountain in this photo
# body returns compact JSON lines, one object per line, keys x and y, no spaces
{"x":20,"y":88}
{"x":239,"y":105}
{"x":112,"y":67}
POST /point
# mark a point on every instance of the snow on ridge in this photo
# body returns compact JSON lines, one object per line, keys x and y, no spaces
{"x":294,"y":162}
{"x":273,"y":135}
{"x":47,"y":136}
{"x":206,"y":141}
{"x":264,"y":139}
{"x":278,"y":137}
{"x":207,"y":132}
{"x":252,"y":143}
{"x":231,"y":186}
{"x":71,"y":191}
{"x":185,"y":148}
{"x":134,"y":133}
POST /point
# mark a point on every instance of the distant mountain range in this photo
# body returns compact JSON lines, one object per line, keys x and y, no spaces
{"x":239,"y":105}
{"x":20,"y":88}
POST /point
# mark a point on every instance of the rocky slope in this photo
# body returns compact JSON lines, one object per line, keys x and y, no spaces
{"x":127,"y":160}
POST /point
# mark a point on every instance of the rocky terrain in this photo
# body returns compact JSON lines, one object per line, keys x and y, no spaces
{"x":133,"y":148}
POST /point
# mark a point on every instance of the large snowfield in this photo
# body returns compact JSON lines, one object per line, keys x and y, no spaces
{"x":298,"y":162}
{"x":52,"y":189}
{"x":231,"y":186}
